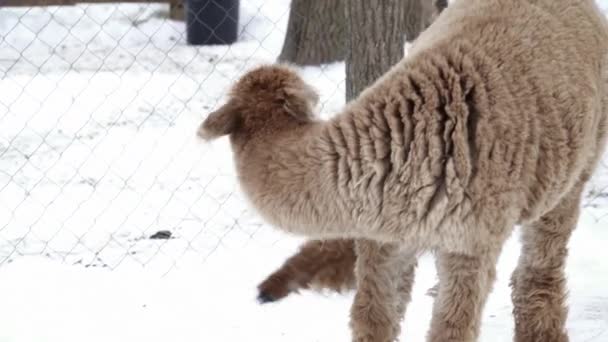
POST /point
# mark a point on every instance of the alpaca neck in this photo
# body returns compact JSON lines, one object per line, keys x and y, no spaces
{"x":282,"y":175}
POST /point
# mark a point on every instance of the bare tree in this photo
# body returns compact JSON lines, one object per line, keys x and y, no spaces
{"x":419,"y":14}
{"x":375,"y":39}
{"x":315,"y":32}
{"x":317,"y":29}
{"x":176,"y":10}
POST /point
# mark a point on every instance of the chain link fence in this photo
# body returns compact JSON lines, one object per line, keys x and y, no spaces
{"x":99,"y":105}
{"x":99,"y":163}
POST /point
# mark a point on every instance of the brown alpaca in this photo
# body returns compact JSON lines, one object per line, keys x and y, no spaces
{"x":330,"y":264}
{"x":497,"y":117}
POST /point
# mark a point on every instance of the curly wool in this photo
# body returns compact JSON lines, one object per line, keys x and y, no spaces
{"x":464,"y":128}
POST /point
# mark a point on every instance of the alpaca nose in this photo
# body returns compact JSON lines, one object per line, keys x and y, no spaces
{"x":264,"y":298}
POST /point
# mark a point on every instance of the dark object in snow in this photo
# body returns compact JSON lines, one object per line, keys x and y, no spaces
{"x":161,"y":234}
{"x":211,"y":22}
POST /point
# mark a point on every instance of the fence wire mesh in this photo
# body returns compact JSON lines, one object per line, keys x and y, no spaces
{"x":99,"y":104}
{"x":99,"y":163}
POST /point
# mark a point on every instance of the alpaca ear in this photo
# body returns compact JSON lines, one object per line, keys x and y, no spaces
{"x":300,"y":101}
{"x":221,"y":122}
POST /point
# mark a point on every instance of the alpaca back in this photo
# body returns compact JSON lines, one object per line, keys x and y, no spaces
{"x":498,"y":108}
{"x":552,"y":56}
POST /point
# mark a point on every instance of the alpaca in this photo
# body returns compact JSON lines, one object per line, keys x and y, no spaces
{"x":330,"y":264}
{"x":496,"y":117}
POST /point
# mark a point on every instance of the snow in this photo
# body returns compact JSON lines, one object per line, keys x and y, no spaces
{"x":98,"y":110}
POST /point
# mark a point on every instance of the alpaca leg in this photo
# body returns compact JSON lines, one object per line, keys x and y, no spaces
{"x":327,"y":264}
{"x":464,"y":284}
{"x":407,"y":264}
{"x":384,"y":279}
{"x":539,"y":284}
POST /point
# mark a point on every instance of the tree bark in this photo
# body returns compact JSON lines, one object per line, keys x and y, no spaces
{"x":315,"y":32}
{"x":375,"y":40}
{"x":418,"y":15}
{"x":176,"y":10}
{"x":317,"y":29}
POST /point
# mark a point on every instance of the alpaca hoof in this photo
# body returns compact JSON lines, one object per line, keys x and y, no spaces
{"x":264,"y":298}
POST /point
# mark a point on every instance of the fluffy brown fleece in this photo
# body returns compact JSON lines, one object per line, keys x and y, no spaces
{"x":497,"y":117}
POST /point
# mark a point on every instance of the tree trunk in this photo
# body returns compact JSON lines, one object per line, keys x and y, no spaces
{"x":375,"y":40}
{"x":315,"y":32}
{"x":176,"y":10}
{"x":419,"y":14}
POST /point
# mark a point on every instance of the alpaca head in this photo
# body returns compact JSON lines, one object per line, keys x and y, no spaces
{"x":264,"y":96}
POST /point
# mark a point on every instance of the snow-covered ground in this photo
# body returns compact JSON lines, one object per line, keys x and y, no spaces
{"x":98,"y":109}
